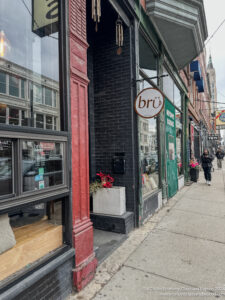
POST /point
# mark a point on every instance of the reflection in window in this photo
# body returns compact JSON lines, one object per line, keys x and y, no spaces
{"x":37,"y":93}
{"x":54,"y":99}
{"x":2,"y":82}
{"x":29,"y":233}
{"x":13,"y":116}
{"x":39,"y":121}
{"x":48,"y":97}
{"x":2,"y":113}
{"x":55,"y":123}
{"x":5,"y":167}
{"x":23,"y":88}
{"x":148,"y":60}
{"x":42,"y":165}
{"x":149,"y":155}
{"x":177,"y":97}
{"x":24,"y":118}
{"x":171,"y":90}
{"x":168,"y":85}
{"x":32,"y":60}
{"x":49,"y":122}
{"x":13,"y":86}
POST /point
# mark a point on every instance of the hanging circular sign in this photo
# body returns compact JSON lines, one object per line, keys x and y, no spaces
{"x":149,"y":103}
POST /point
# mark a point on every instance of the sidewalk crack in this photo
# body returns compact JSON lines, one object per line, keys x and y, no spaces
{"x":190,"y":236}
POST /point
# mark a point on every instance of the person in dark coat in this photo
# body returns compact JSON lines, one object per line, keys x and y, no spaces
{"x":220,"y":156}
{"x":206,"y":160}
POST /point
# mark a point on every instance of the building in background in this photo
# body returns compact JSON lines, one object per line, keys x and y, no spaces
{"x":199,"y":109}
{"x":212,"y":83}
{"x":26,"y":97}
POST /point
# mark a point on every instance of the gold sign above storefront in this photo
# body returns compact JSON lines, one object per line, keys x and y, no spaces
{"x":149,"y":103}
{"x":45,"y":16}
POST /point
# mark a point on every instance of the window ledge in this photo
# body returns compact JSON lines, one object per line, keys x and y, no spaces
{"x":10,"y":204}
{"x":27,"y":282}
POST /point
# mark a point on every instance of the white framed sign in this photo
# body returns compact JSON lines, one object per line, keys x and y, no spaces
{"x":149,"y":103}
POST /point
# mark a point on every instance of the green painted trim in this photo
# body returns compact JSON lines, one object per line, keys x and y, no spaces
{"x":145,"y":22}
{"x":185,"y":138}
{"x":153,"y":36}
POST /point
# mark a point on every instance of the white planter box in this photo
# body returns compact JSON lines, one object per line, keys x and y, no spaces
{"x":180,"y":182}
{"x":110,"y":201}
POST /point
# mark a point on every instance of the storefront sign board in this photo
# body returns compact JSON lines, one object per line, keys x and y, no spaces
{"x":213,"y":137}
{"x":149,"y":103}
{"x":44,"y":17}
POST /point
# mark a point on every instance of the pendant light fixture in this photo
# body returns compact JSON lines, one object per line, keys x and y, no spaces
{"x":4,"y":44}
{"x":119,"y":35}
{"x":96,"y":12}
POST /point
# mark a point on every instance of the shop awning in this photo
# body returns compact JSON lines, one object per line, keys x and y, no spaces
{"x":182,"y":27}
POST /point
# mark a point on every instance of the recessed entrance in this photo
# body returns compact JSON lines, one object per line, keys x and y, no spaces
{"x":110,"y":117}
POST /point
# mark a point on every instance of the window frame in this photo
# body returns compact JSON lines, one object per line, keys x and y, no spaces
{"x":153,"y":84}
{"x":17,"y":133}
{"x":19,"y":85}
{"x":64,"y":135}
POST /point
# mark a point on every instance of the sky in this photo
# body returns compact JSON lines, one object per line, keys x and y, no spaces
{"x":215,"y":14}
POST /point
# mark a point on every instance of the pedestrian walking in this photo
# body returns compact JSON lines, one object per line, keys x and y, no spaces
{"x":220,"y":156}
{"x":206,"y":160}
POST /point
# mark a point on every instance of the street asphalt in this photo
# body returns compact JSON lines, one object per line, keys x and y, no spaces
{"x":178,"y":254}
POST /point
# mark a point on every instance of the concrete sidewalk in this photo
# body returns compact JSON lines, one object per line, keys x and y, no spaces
{"x":178,"y":254}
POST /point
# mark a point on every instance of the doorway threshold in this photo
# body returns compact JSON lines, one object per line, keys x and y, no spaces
{"x":105,"y":243}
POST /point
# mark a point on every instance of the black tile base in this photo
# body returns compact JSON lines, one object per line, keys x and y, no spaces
{"x":120,"y":224}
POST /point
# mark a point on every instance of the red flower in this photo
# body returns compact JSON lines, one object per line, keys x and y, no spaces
{"x":106,"y":180}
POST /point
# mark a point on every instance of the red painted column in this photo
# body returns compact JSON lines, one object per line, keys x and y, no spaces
{"x":85,"y":261}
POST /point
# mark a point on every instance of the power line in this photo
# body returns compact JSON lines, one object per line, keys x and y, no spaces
{"x":215,"y":32}
{"x":221,"y":93}
{"x":210,"y":101}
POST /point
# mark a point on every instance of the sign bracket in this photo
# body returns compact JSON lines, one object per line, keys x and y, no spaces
{"x":150,"y":78}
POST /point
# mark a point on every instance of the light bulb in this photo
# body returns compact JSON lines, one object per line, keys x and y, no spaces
{"x":4,"y":44}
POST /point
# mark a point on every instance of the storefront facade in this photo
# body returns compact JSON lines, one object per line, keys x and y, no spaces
{"x":67,"y":90}
{"x":35,"y":191}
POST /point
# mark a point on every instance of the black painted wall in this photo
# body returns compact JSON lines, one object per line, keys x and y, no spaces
{"x":112,"y":120}
{"x":57,"y":285}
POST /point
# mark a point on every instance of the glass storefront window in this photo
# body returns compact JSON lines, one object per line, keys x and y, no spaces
{"x":30,"y":58}
{"x":54,"y":99}
{"x":2,"y":82}
{"x":171,"y":90}
{"x":177,"y":97}
{"x":55,"y":123}
{"x":5,"y":167}
{"x":28,"y":234}
{"x":148,"y":60}
{"x":49,"y":122}
{"x":148,"y":127}
{"x":42,"y":165}
{"x":13,"y":86}
{"x":149,"y":155}
{"x":179,"y":142}
{"x":37,"y":93}
{"x":168,"y":86}
{"x":23,"y":88}
{"x":24,"y":118}
{"x":39,"y":121}
{"x":13,"y":116}
{"x":2,"y":113}
{"x":48,"y":97}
